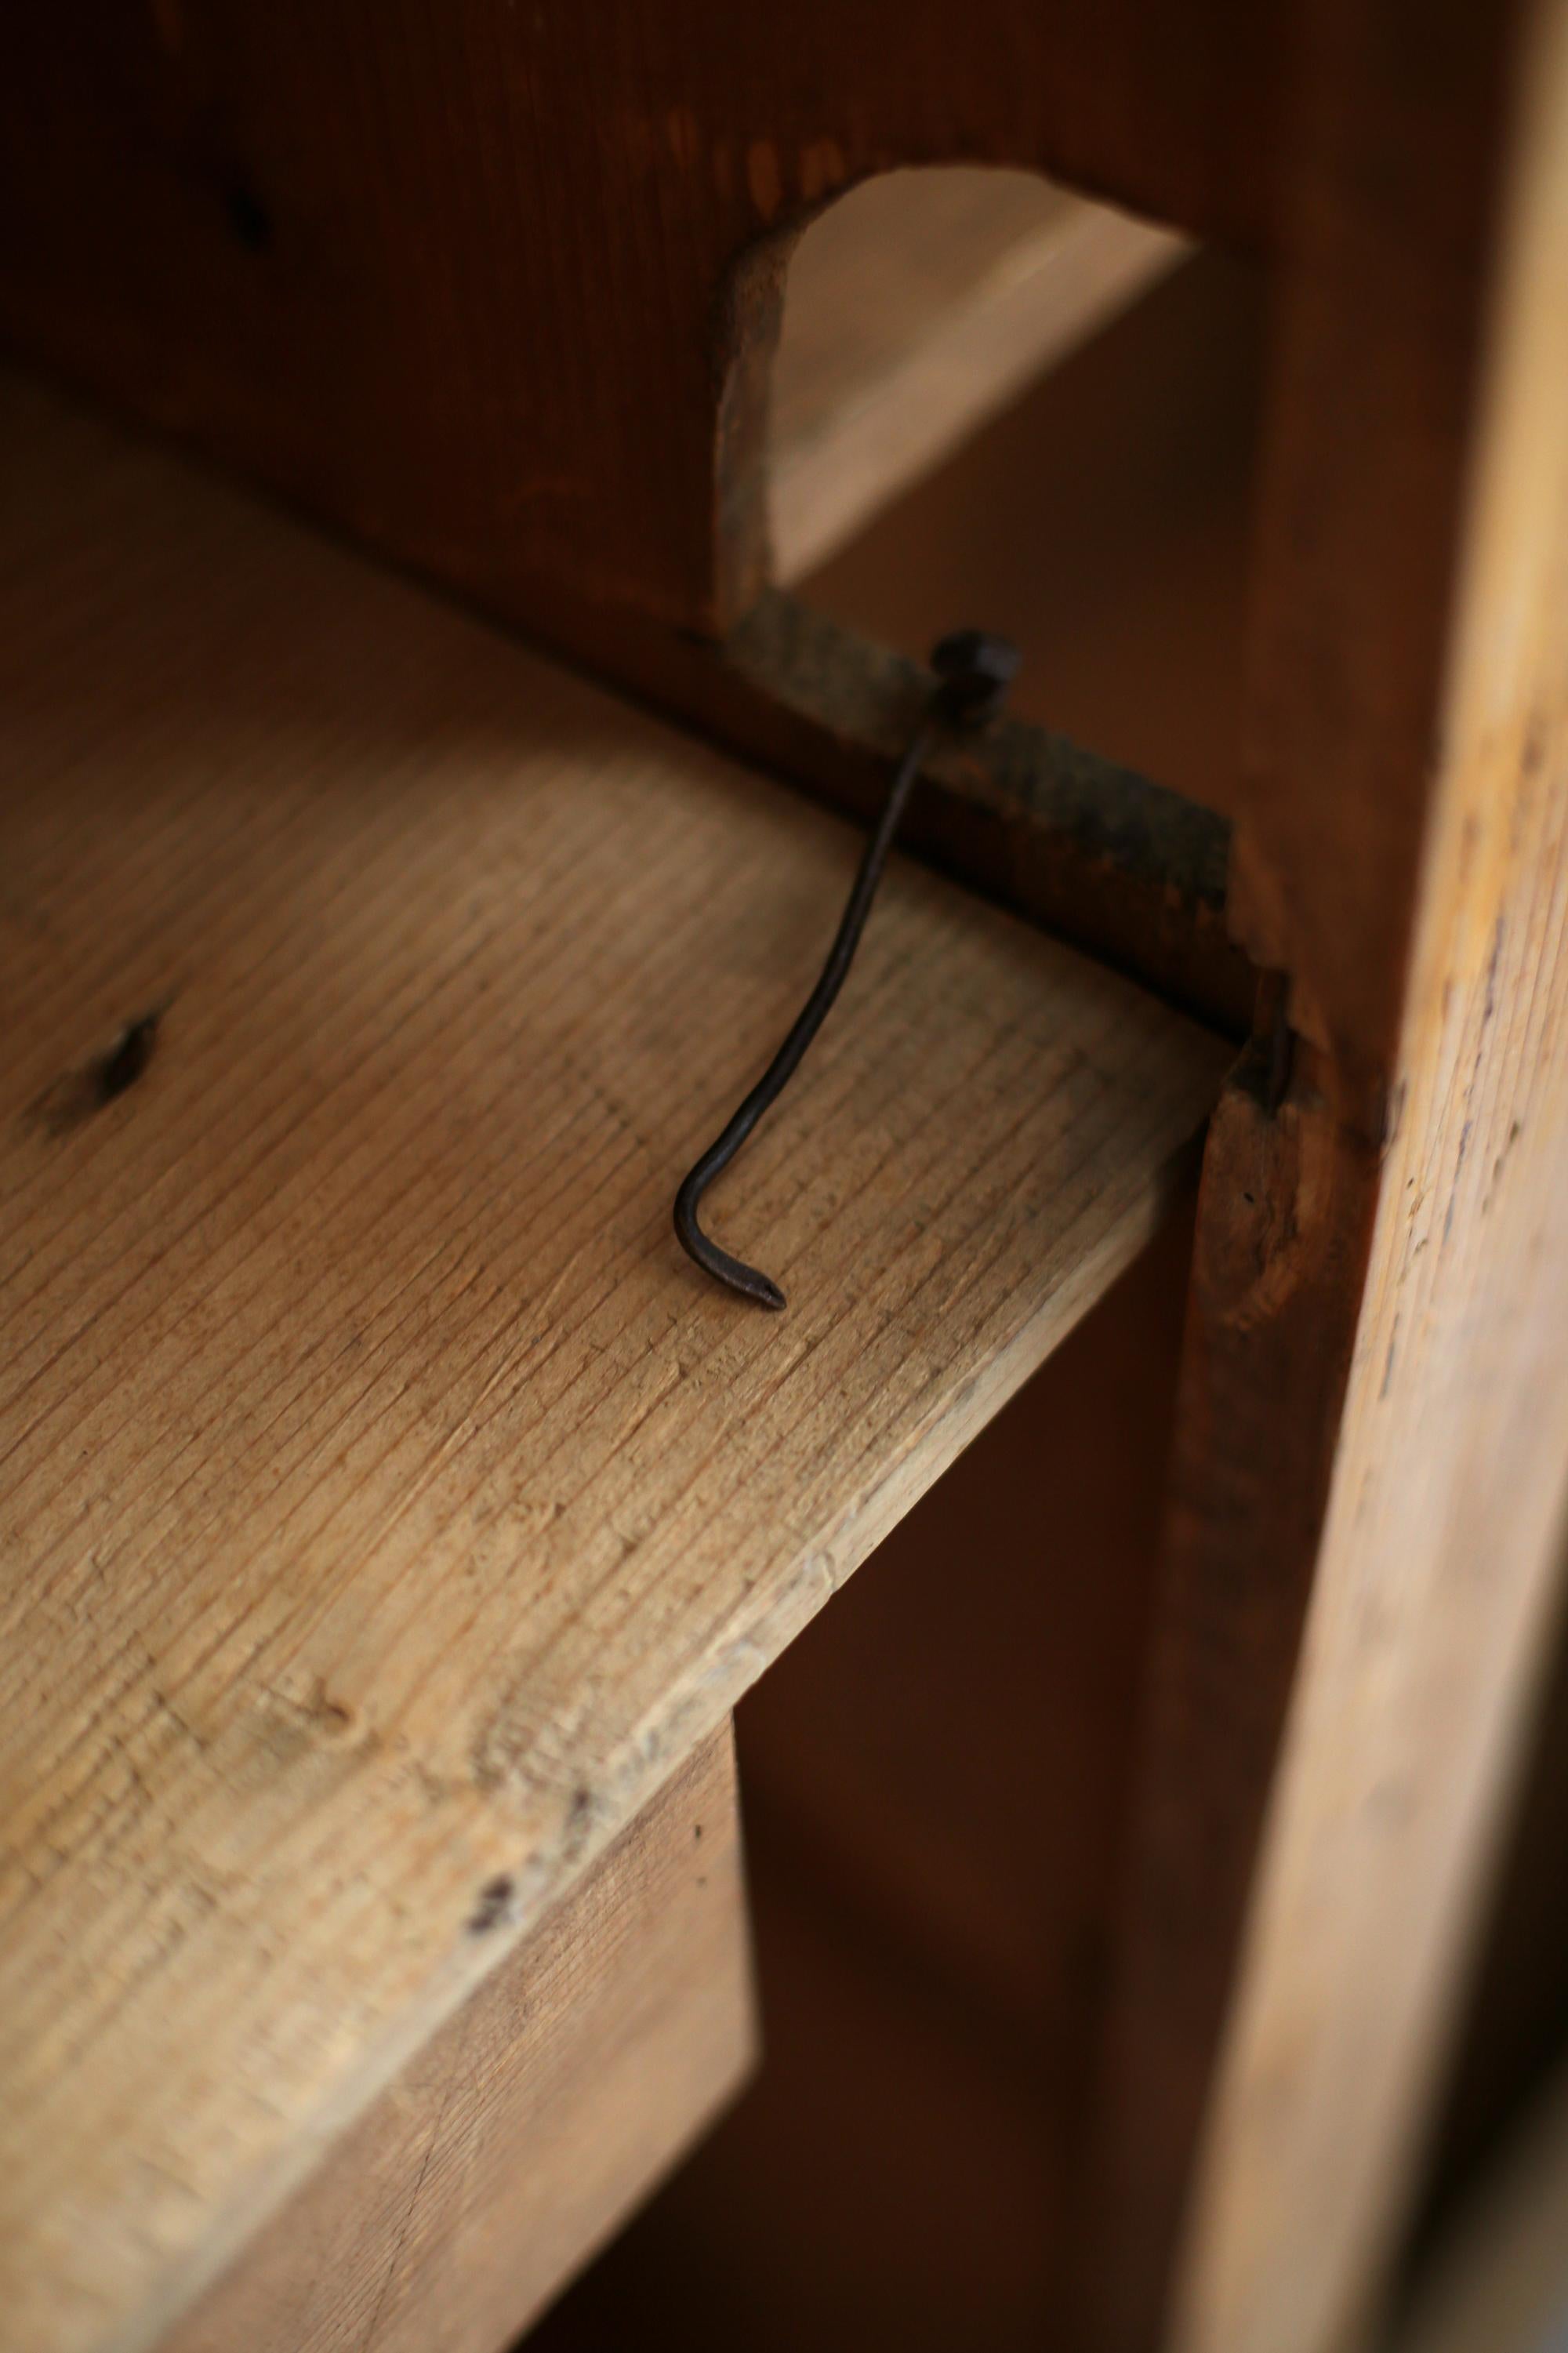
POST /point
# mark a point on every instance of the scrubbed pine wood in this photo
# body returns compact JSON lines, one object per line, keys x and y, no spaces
{"x":389,"y":1507}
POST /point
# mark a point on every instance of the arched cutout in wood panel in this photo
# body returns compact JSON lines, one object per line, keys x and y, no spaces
{"x":915,"y":309}
{"x":868,"y":338}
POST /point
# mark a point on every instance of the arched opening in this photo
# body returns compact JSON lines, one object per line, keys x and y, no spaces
{"x":998,"y":402}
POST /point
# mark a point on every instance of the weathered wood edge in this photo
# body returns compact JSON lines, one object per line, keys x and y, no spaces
{"x":1309,"y":1227}
{"x":1132,"y":872}
{"x":462,"y":2198}
{"x":1123,"y":868}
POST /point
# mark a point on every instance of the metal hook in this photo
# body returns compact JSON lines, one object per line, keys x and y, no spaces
{"x":975,"y":671}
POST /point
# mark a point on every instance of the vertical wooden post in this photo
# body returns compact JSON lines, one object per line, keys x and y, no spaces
{"x":1377,"y":1381}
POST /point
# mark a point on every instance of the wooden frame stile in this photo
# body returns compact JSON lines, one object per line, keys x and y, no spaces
{"x":1375,"y":1392}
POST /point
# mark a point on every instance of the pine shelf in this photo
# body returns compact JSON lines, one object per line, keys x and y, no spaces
{"x":389,"y":1509}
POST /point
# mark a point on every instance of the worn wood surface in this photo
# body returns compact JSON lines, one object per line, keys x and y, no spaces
{"x":1438,"y":1581}
{"x":1266,"y":1361}
{"x":1382,"y":307}
{"x":507,"y":2149}
{"x":389,"y":1505}
{"x":496,"y":290}
{"x":1097,"y":853}
{"x":1400,"y":853}
{"x":913,"y":311}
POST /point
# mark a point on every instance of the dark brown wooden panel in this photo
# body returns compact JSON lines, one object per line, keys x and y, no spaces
{"x":466,"y":278}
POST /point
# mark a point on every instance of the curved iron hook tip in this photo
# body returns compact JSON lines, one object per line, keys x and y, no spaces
{"x":974,"y":672}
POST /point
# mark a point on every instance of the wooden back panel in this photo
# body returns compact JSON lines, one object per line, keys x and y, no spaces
{"x":496,"y":289}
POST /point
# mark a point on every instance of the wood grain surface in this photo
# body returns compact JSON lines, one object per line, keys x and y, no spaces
{"x":546,"y":2107}
{"x":389,"y":1507}
{"x":934,"y":1785}
{"x":1369,"y":1436}
{"x":496,"y":289}
{"x":914,"y":310}
{"x":1438,"y":1575}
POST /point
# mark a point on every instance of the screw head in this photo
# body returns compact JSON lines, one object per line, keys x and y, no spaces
{"x":976,"y":669}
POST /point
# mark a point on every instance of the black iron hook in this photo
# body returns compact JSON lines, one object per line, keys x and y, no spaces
{"x":973,"y":673}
